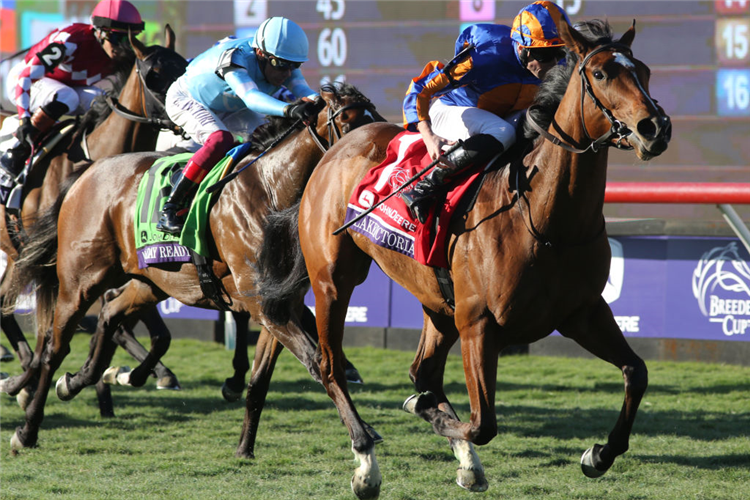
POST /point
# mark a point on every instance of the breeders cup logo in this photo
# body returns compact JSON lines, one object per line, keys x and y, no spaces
{"x":721,"y":284}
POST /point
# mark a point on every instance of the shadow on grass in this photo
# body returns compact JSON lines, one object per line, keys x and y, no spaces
{"x":711,"y":462}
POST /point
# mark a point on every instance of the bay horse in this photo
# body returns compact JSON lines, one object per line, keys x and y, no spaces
{"x":133,"y":126}
{"x":530,"y":257}
{"x":98,"y":210}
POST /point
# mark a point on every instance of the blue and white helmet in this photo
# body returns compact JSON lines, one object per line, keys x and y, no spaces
{"x":282,"y":38}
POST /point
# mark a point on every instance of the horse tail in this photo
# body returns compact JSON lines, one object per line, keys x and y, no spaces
{"x":37,"y":262}
{"x":282,"y":275}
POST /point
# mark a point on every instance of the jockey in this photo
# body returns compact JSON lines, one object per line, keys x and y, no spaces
{"x":477,"y":96}
{"x":63,"y":73}
{"x":229,"y":88}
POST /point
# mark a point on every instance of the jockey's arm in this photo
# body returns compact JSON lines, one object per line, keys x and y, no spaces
{"x":240,"y":82}
{"x":297,"y":84}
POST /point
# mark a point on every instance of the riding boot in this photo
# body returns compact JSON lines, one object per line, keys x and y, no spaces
{"x":170,"y":218}
{"x":475,"y":150}
{"x":14,"y":159}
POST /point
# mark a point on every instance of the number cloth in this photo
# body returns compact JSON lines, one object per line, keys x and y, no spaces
{"x":82,"y":63}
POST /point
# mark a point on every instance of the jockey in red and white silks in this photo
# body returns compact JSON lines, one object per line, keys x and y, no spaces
{"x":65,"y":71}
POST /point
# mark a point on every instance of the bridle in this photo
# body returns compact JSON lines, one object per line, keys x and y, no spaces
{"x":151,"y":102}
{"x":618,"y":129}
{"x":334,"y":131}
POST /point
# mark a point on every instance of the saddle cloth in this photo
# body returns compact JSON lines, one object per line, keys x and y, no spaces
{"x":391,"y":224}
{"x":156,"y":247}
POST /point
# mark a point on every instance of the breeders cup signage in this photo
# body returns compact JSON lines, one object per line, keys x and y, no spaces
{"x":721,"y":286}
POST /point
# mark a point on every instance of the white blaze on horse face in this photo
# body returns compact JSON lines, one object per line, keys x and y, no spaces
{"x":628,"y":64}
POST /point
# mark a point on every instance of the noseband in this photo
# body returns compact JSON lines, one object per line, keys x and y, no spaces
{"x":618,"y":129}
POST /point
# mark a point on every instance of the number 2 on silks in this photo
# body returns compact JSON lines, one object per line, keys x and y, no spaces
{"x":52,"y":55}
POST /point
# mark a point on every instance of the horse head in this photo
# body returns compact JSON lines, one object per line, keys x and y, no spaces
{"x":615,"y":100}
{"x":158,"y":67}
{"x":347,"y":108}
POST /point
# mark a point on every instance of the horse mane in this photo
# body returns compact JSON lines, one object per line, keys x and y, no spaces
{"x":555,"y":84}
{"x":275,"y":126}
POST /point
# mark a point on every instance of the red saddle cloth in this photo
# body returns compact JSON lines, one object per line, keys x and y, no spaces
{"x":391,"y":224}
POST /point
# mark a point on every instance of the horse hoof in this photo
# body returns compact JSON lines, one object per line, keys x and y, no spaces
{"x":4,"y":375}
{"x":364,"y":488}
{"x":472,"y":480}
{"x":353,"y":376}
{"x":417,"y":403}
{"x":15,"y":443}
{"x":587,"y":465}
{"x":117,"y":375}
{"x":24,"y":397}
{"x":168,"y":383}
{"x":230,"y":395}
{"x":62,"y":388}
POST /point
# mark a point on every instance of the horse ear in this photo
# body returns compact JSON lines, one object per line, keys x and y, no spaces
{"x":138,"y":47}
{"x":169,"y":36}
{"x":573,"y":39}
{"x":627,"y":38}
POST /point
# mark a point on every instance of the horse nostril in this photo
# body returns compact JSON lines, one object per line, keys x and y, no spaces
{"x":647,"y":128}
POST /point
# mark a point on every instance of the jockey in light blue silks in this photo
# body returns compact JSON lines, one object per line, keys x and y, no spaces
{"x":231,"y":88}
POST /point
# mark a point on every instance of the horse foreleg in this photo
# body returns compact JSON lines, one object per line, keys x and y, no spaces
{"x":267,"y":352}
{"x":234,"y":385}
{"x":596,"y":331}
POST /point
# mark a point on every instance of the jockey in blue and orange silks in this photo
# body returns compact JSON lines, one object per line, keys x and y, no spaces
{"x":231,"y":88}
{"x":478,"y":95}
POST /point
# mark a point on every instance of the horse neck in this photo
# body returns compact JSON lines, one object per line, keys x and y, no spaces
{"x":285,"y":173}
{"x":567,"y":191}
{"x":117,"y":134}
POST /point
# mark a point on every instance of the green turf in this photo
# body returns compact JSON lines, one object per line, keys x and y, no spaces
{"x":691,"y":439}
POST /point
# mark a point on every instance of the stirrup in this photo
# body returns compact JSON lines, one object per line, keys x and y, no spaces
{"x":169,"y":220}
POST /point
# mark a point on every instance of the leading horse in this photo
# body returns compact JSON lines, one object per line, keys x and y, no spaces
{"x":530,"y":257}
{"x":90,"y":231}
{"x":134,"y":125}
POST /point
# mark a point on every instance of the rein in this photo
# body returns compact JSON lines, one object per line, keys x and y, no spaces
{"x":149,"y":97}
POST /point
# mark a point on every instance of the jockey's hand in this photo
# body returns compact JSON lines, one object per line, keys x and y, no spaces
{"x":434,"y":142}
{"x":302,"y":110}
{"x":26,"y":132}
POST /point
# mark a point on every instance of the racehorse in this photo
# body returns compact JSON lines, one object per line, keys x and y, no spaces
{"x":530,"y":257}
{"x":133,"y":126}
{"x":98,"y":209}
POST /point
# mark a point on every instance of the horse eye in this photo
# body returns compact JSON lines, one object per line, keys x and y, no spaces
{"x":598,"y":75}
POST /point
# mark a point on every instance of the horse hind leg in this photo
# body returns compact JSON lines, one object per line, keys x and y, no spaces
{"x":267,"y":352}
{"x":427,"y":372}
{"x":595,"y":330}
{"x":233,"y":386}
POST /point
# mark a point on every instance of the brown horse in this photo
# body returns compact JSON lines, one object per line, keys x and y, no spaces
{"x":530,"y":257}
{"x":133,"y":127}
{"x":98,"y":210}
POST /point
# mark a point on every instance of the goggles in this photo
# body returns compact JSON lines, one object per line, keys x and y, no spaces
{"x":114,"y":37}
{"x":547,"y":54}
{"x":282,"y":64}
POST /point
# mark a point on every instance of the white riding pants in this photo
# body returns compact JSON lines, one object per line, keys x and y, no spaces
{"x":460,"y":122}
{"x":45,"y":90}
{"x":199,"y":122}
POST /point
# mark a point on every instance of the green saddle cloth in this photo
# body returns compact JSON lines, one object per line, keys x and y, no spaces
{"x":156,"y":247}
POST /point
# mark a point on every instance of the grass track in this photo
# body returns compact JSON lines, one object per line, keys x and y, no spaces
{"x":691,"y":438}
